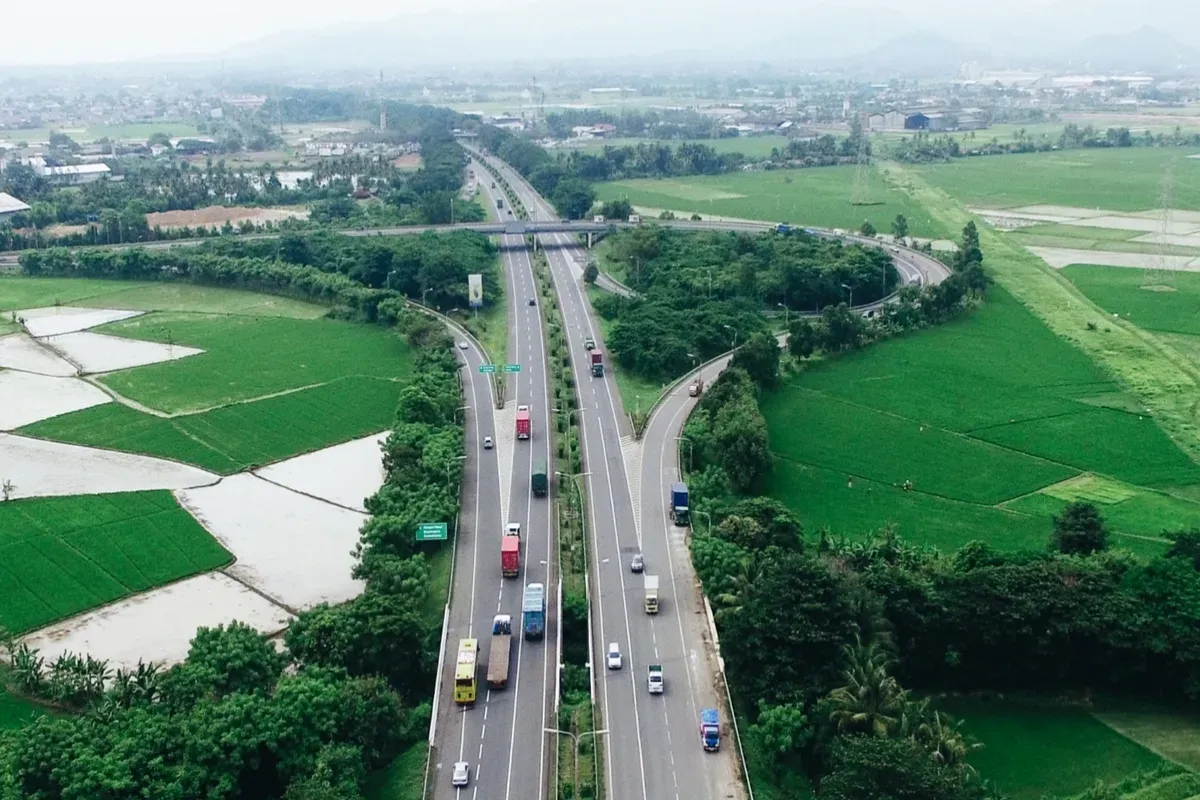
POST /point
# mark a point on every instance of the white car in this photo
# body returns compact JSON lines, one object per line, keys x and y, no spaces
{"x":487,"y":443}
{"x":512,"y":529}
{"x":461,"y":775}
{"x":462,"y":345}
{"x":614,"y":656}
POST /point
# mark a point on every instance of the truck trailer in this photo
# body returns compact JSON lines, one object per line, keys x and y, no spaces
{"x":710,"y":729}
{"x":510,"y":556}
{"x":498,"y":651}
{"x":651,"y":594}
{"x":597,"y":364}
{"x":679,"y":503}
{"x":533,"y":608}
{"x":524,"y":426}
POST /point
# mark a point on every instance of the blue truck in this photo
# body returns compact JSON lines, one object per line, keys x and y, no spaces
{"x":533,"y":610}
{"x":710,"y":729}
{"x":679,"y":503}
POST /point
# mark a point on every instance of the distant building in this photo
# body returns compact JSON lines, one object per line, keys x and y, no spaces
{"x":600,"y":131}
{"x":10,"y":207}
{"x":74,"y":175}
{"x":887,"y":121}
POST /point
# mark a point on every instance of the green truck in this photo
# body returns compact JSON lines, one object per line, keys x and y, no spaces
{"x":539,"y":480}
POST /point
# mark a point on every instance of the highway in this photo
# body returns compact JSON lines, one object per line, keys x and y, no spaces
{"x":510,"y":757}
{"x":652,"y":750}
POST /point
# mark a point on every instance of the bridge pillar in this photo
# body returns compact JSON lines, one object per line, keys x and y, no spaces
{"x":589,"y":247}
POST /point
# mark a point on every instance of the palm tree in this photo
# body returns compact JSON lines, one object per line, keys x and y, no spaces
{"x":29,"y":668}
{"x":871,"y":702}
{"x":942,"y":736}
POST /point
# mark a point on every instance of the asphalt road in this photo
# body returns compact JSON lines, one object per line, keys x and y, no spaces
{"x":510,"y":756}
{"x":651,"y":750}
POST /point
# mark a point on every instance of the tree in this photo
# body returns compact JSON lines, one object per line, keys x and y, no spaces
{"x":591,"y":272}
{"x":573,"y":198}
{"x":1185,"y":544}
{"x":1079,"y":530}
{"x":759,"y":356}
{"x":900,"y":227}
{"x":616,"y":209}
{"x":782,"y":731}
{"x":867,"y":229}
{"x":968,"y":249}
{"x":880,"y":768}
{"x":803,"y":337}
{"x":843,"y":328}
{"x":871,"y":702}
{"x":222,"y":661}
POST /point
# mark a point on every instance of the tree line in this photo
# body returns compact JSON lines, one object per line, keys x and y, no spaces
{"x":925,"y":148}
{"x":365,"y":278}
{"x":237,"y":718}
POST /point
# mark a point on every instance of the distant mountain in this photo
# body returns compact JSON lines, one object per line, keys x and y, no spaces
{"x":920,"y":53}
{"x":1147,"y":49}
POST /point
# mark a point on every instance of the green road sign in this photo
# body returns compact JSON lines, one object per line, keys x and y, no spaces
{"x":431,"y":532}
{"x":512,"y":367}
{"x":487,"y":369}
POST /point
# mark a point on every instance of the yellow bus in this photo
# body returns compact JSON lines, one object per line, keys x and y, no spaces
{"x":464,"y":671}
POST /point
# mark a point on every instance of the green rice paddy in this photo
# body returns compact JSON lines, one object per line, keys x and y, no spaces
{"x":62,"y":555}
{"x":234,"y":437}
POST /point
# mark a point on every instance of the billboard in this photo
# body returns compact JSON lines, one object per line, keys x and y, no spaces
{"x":475,"y":290}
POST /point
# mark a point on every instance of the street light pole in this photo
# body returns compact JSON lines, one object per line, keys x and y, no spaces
{"x":735,"y":334}
{"x":577,"y":739}
{"x":690,"y":448}
{"x":708,"y":518}
{"x":785,"y":314}
{"x":851,"y":290}
{"x":449,"y":463}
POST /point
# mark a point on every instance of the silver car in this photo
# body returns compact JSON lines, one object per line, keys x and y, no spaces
{"x":637,"y":563}
{"x":461,"y":775}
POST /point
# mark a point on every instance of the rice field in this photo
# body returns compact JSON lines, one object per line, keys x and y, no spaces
{"x":1123,"y":179}
{"x":62,"y":555}
{"x":1045,"y":750}
{"x":251,"y":357}
{"x":818,"y":197}
{"x":233,"y":437}
{"x":993,"y":419}
{"x":1166,"y":303}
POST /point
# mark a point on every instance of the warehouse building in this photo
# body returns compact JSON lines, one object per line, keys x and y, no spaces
{"x":10,"y":207}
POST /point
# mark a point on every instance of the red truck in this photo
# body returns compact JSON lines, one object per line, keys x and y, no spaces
{"x":597,"y":364}
{"x":510,"y":556}
{"x":523,"y":424}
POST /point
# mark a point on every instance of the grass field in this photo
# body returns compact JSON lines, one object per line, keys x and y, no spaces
{"x":1127,"y":179}
{"x":18,"y":292}
{"x":819,"y":197}
{"x":249,"y":357}
{"x":1119,"y":291}
{"x":62,"y":555}
{"x":93,"y":132}
{"x":959,"y":411}
{"x":750,"y":146}
{"x":1039,"y":750}
{"x":15,"y":712}
{"x":234,"y":437}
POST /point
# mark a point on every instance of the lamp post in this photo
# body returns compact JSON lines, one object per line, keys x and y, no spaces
{"x":708,"y":518}
{"x":786,"y":311}
{"x":689,"y":444}
{"x":850,"y":289}
{"x":735,"y":335}
{"x":450,"y":463}
{"x":577,"y":740}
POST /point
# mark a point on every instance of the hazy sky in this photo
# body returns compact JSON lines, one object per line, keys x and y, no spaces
{"x":87,"y":31}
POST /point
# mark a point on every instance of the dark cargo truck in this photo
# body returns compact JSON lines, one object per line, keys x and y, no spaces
{"x":539,"y":480}
{"x":679,"y":503}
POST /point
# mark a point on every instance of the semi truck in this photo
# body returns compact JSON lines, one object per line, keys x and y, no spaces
{"x":498,"y":650}
{"x":533,"y":608}
{"x":654,"y":681}
{"x":696,"y":387}
{"x":524,"y":427}
{"x":539,"y":480}
{"x":679,"y":503}
{"x":499,"y":203}
{"x":510,"y":556}
{"x":651,"y":594}
{"x":710,"y":729}
{"x":597,"y":364}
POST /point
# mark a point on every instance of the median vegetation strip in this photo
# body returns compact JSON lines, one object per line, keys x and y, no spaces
{"x":576,"y":712}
